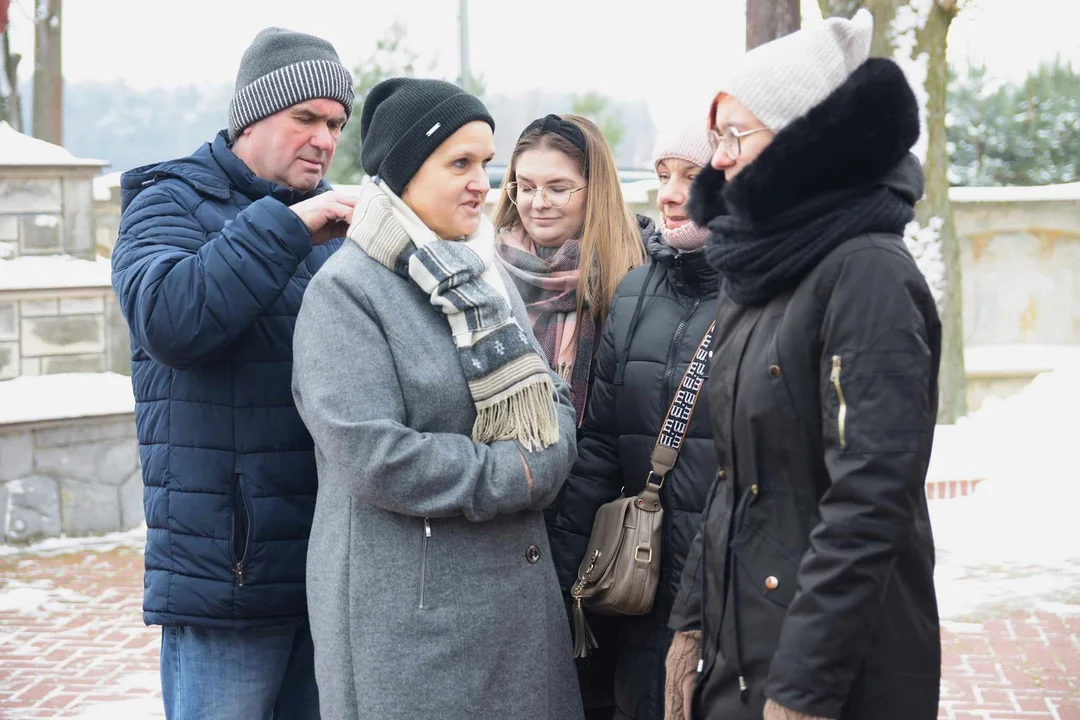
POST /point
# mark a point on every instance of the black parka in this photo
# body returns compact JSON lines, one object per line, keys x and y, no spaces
{"x":816,"y":559}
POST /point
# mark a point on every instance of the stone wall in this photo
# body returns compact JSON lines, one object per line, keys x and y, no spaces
{"x":75,"y":332}
{"x":1021,"y":265}
{"x":42,"y":214}
{"x":74,"y":477}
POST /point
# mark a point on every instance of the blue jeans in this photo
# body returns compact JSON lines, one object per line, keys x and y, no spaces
{"x":210,"y":674}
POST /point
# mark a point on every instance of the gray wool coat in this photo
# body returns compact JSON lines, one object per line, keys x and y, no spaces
{"x":430,"y":584}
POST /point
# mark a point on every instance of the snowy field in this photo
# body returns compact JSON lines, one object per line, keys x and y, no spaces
{"x":1015,"y":542}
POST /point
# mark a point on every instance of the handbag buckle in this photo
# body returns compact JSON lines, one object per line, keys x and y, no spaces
{"x":637,"y":554}
{"x":652,"y":478}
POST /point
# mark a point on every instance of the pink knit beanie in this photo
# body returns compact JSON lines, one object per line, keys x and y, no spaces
{"x":689,"y":143}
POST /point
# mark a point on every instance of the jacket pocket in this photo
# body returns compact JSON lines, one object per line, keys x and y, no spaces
{"x":841,"y":412}
{"x":738,"y":518}
{"x":765,"y":567}
{"x":424,"y":560}
{"x":240,"y":527}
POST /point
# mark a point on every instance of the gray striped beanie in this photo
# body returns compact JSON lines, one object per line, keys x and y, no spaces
{"x":282,"y":68}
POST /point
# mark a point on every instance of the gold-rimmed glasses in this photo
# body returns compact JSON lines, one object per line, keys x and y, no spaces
{"x":557,"y":196}
{"x":731,"y":139}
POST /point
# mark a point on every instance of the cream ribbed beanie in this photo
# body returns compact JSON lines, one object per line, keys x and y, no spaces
{"x":782,"y":80}
{"x":689,"y":142}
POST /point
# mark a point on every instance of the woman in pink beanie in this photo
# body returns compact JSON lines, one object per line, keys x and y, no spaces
{"x":656,"y":329}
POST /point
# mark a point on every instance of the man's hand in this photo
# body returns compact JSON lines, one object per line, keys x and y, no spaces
{"x":776,"y":711}
{"x":326,"y":216}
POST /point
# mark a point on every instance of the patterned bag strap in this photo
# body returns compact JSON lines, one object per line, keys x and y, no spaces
{"x":673,"y":431}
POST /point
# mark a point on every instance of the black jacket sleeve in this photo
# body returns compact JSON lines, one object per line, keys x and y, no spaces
{"x":686,"y":610}
{"x":878,"y":377}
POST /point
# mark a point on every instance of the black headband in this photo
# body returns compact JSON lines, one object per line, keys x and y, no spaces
{"x":563,"y":128}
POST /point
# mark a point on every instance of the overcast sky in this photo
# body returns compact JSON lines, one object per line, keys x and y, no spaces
{"x":662,"y":51}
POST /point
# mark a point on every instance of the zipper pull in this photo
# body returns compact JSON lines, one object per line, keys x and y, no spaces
{"x":238,"y":571}
{"x":427,"y":528}
{"x":841,"y":415}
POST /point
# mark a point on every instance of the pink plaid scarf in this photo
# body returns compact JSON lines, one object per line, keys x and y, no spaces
{"x":549,"y":289}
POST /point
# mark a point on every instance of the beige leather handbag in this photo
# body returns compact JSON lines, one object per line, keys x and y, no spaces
{"x":621,"y":567}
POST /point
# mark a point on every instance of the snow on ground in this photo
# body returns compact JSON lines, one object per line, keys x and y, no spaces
{"x":51,"y":272}
{"x":1016,"y":540}
{"x":61,"y":545}
{"x":37,"y":598}
{"x":31,"y":398}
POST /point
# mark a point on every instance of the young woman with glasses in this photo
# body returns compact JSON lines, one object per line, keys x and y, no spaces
{"x":561,"y":202}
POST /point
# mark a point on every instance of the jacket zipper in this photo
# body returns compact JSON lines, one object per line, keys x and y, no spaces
{"x":673,"y":349}
{"x":841,"y":416}
{"x":238,"y":569}
{"x":423,"y":560}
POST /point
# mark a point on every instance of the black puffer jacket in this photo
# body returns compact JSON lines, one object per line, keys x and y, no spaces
{"x":667,"y":305}
{"x":818,"y":558}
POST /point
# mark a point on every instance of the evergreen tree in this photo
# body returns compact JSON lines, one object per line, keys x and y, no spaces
{"x":1015,"y":134}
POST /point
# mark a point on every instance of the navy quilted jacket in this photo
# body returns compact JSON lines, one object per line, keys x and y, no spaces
{"x":210,"y":268}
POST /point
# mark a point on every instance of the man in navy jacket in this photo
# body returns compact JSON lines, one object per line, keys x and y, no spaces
{"x":214,"y":254}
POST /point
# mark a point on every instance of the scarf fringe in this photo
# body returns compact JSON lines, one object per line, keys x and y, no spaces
{"x":526,"y":414}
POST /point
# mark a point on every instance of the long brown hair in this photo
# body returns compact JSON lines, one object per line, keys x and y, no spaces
{"x":610,"y":242}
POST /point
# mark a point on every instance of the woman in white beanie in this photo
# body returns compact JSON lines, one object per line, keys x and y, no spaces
{"x":817,"y":584}
{"x":659,"y":317}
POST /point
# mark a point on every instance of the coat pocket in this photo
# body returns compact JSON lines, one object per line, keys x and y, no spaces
{"x":241,"y":527}
{"x":424,"y":560}
{"x":765,"y":567}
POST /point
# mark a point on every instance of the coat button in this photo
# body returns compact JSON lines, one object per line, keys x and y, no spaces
{"x":721,"y":475}
{"x":771,"y":583}
{"x":774,"y":371}
{"x":533,"y":554}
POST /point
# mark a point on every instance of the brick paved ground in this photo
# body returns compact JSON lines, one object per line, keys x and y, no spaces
{"x":72,"y":645}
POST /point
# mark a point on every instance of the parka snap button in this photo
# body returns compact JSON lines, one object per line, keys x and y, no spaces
{"x":774,"y":371}
{"x":721,"y":475}
{"x":533,"y":554}
{"x":771,"y":583}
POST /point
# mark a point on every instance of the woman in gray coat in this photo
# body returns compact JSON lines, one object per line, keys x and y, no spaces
{"x":440,"y":435}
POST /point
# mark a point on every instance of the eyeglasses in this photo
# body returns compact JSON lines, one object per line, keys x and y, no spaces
{"x":730,"y":140}
{"x":557,"y":196}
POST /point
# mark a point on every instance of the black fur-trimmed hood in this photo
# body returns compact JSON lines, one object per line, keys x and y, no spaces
{"x":859,"y":136}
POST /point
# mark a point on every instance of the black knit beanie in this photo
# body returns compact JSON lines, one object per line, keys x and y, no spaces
{"x":404,"y":120}
{"x":282,"y":68}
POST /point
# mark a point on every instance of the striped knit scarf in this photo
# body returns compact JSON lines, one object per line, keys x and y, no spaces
{"x":549,"y":289}
{"x":508,"y":380}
